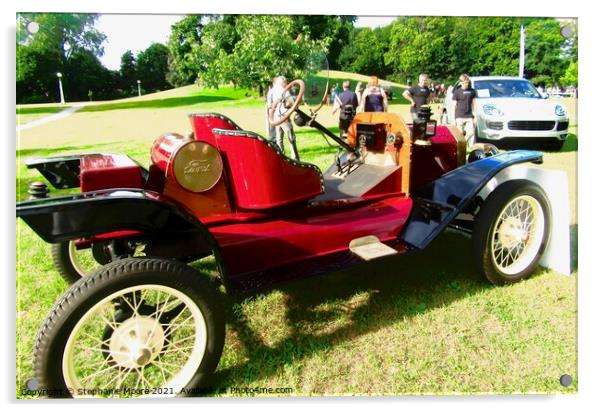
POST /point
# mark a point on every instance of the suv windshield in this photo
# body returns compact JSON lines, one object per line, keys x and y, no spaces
{"x":505,"y":88}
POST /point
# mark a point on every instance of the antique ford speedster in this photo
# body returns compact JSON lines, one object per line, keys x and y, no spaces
{"x":145,"y":322}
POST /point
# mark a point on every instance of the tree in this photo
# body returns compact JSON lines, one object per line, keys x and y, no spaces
{"x":36,"y":76}
{"x":152,"y":67}
{"x":249,"y":50}
{"x":425,"y":45}
{"x":445,"y":47}
{"x":365,"y":52}
{"x":334,"y":31}
{"x":570,"y":77}
{"x":62,"y":33}
{"x":41,"y":55}
{"x":185,"y":35}
{"x":496,"y":45}
{"x":544,"y":47}
{"x":128,"y":73}
{"x":84,"y":73}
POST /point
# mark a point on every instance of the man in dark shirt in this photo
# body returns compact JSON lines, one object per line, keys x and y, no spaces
{"x":464,"y":98}
{"x":418,"y":95}
{"x":347,"y":103}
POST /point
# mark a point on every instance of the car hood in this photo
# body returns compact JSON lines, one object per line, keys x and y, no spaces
{"x":521,"y":108}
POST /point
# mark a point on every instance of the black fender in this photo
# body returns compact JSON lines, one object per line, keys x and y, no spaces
{"x":438,"y":203}
{"x":63,"y":218}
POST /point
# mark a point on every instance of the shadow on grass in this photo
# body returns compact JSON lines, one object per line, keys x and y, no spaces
{"x":398,"y":287}
{"x":157,"y":103}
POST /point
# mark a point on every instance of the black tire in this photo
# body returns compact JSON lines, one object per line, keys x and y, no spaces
{"x":496,"y":236}
{"x":74,"y":264}
{"x":111,"y":288}
{"x":63,"y":258}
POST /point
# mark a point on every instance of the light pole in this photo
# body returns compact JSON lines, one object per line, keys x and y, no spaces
{"x":59,"y":75}
{"x":521,"y":61}
{"x":139,"y":94}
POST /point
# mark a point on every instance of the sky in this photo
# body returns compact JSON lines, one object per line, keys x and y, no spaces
{"x":136,"y":32}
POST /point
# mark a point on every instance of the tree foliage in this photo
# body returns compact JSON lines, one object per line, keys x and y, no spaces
{"x":61,"y":33}
{"x":365,"y":52}
{"x":216,"y":49}
{"x":61,"y":42}
{"x":544,"y":52}
{"x":445,"y":47}
{"x":495,"y":46}
{"x":249,"y":50}
{"x":333,"y":31}
{"x":185,"y":34}
{"x":85,"y":77}
{"x":422,"y":45}
{"x":151,"y":67}
{"x":128,"y":73}
{"x":570,"y":77}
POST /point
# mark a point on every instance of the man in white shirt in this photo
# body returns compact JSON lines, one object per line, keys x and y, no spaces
{"x":280,"y":104}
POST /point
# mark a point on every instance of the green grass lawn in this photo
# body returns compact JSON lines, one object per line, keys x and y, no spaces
{"x":420,"y":324}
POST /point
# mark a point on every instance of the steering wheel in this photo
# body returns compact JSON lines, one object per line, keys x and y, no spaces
{"x":293,"y":107}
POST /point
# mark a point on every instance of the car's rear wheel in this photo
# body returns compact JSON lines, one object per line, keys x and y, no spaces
{"x":136,"y":327}
{"x":511,"y":231}
{"x":73,"y":263}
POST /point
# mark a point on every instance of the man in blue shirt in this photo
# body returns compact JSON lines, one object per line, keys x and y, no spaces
{"x":347,"y":103}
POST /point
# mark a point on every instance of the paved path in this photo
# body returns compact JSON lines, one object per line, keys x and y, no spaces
{"x":60,"y":115}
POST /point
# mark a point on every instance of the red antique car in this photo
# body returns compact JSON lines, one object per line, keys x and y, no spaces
{"x":152,"y":324}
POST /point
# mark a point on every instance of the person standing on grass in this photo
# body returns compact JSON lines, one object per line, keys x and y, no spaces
{"x":347,"y":103}
{"x":418,"y":95}
{"x":464,"y":98}
{"x":280,"y":105}
{"x":374,"y":98}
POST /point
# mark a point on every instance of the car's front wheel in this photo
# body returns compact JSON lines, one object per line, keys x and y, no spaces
{"x":136,"y":327}
{"x":511,"y":231}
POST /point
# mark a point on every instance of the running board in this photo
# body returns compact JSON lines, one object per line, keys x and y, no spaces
{"x":369,"y":247}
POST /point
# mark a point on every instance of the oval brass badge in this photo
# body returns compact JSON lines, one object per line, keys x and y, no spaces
{"x":197,"y":166}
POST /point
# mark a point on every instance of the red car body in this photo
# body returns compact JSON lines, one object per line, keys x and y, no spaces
{"x":261,"y":213}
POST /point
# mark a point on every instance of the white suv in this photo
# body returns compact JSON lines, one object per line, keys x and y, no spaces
{"x":511,"y":108}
